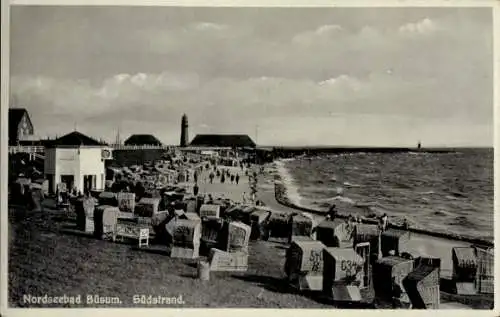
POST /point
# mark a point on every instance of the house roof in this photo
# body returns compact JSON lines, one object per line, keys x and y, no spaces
{"x":74,"y":139}
{"x":222,"y":140}
{"x":15,"y":116}
{"x":142,"y":139}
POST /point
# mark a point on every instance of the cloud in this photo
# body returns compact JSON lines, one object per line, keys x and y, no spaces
{"x":322,"y":33}
{"x":119,"y":94}
{"x":117,"y":85}
{"x":229,"y":74}
{"x":154,"y":103}
{"x":207,"y":26}
{"x":424,"y":26}
{"x":328,"y":29}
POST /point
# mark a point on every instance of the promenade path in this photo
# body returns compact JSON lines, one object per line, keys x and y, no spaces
{"x":227,"y":189}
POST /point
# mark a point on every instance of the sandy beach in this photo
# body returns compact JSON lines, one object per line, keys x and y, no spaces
{"x":419,"y":244}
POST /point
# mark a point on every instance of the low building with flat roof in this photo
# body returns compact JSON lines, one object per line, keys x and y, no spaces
{"x":222,"y":141}
{"x":77,"y":161}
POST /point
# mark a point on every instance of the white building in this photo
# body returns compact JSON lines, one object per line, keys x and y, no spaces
{"x":76,"y":160}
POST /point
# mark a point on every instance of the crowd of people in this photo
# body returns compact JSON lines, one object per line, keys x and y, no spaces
{"x":223,"y":175}
{"x":211,"y":173}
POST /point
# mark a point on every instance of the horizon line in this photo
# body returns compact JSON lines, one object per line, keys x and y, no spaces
{"x":302,"y":146}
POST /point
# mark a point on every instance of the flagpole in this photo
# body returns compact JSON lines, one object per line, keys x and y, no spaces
{"x":257,"y":134}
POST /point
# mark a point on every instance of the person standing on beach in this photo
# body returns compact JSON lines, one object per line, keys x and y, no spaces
{"x":406,"y":225}
{"x":332,"y":212}
{"x":385,"y":222}
{"x":232,"y":178}
{"x":237,"y":178}
{"x":351,"y":221}
{"x":212,"y":177}
{"x":222,"y":178}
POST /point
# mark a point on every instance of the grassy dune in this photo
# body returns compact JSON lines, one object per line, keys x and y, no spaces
{"x":43,"y":260}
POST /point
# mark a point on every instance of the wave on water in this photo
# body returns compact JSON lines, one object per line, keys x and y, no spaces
{"x":339,"y":198}
{"x":455,"y":197}
{"x":442,"y":213}
{"x":289,"y":182}
{"x":457,"y":194}
{"x":461,"y":221}
{"x":347,"y":184}
{"x":429,"y":192}
{"x":448,"y":192}
{"x":418,"y":153}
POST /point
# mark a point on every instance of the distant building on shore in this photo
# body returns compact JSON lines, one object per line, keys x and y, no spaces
{"x":142,"y":139}
{"x":223,"y":140}
{"x":20,"y":126}
{"x":184,"y":131}
{"x":77,"y":161}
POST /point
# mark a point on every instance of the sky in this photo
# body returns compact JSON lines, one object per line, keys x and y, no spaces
{"x":284,"y":76}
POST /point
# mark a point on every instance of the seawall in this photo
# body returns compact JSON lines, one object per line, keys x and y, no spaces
{"x":282,"y":197}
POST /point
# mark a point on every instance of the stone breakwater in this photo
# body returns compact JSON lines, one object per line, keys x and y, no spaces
{"x":286,"y":194}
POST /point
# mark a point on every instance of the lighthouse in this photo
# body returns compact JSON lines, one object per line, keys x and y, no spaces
{"x":184,"y":131}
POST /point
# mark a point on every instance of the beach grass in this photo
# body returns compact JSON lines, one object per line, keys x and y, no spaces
{"x":42,"y":260}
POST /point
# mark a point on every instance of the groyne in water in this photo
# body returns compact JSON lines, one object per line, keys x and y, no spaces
{"x":284,"y":198}
{"x":316,"y":150}
{"x":270,"y":153}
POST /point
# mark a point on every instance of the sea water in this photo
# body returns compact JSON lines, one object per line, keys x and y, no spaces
{"x":445,"y":192}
